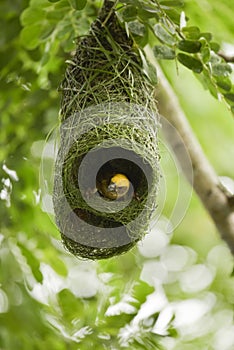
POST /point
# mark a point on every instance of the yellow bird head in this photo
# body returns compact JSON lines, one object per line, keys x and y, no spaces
{"x":117,"y":188}
{"x":120,"y":184}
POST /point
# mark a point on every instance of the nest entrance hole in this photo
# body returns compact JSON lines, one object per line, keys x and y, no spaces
{"x":131,"y":170}
{"x":103,"y":163}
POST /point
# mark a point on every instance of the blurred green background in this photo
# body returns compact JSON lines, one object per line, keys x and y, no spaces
{"x":49,"y":298}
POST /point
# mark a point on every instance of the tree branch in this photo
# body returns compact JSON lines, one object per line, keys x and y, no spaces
{"x":205,"y":181}
{"x":227,"y":58}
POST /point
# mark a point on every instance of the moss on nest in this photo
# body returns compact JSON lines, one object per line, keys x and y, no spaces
{"x":109,"y":125}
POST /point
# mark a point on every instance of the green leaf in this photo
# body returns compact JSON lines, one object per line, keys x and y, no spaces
{"x":224,"y":83}
{"x":209,"y":82}
{"x":168,"y":4}
{"x":141,"y":290}
{"x":146,"y":12}
{"x":62,"y":5}
{"x":46,"y":31}
{"x":142,"y":41}
{"x":215,"y":59}
{"x":192,"y":32}
{"x":65,"y":29}
{"x":29,"y":36}
{"x":205,"y":53}
{"x":81,"y":4}
{"x":139,"y":32}
{"x":53,"y":0}
{"x":221,"y":69}
{"x":190,"y":46}
{"x":33,"y":262}
{"x":129,"y":13}
{"x":68,"y":45}
{"x":67,"y":302}
{"x":207,"y":36}
{"x":78,"y":4}
{"x":163,"y":35}
{"x":163,"y":52}
{"x":54,"y":16}
{"x":45,"y":58}
{"x":173,"y":15}
{"x":214,"y":46}
{"x":151,"y":73}
{"x":229,"y":97}
{"x":136,"y":28}
{"x":190,"y":62}
{"x":32,"y":15}
{"x":149,"y":69}
{"x":133,"y":2}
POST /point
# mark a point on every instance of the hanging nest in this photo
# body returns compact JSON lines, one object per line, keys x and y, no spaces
{"x":108,"y":127}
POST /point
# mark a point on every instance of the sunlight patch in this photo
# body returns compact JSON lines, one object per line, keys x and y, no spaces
{"x":5,"y":194}
{"x":196,"y":278}
{"x":12,"y":173}
{"x":4,"y":304}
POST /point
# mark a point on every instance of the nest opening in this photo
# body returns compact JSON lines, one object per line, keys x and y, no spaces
{"x":86,"y":173}
{"x":131,"y":170}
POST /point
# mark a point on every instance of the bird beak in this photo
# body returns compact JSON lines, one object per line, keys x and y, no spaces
{"x":112,"y":187}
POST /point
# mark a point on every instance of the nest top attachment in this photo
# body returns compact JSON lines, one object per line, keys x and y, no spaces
{"x":105,"y":68}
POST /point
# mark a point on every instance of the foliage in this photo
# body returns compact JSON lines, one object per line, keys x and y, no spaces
{"x":50,"y":299}
{"x":177,"y":40}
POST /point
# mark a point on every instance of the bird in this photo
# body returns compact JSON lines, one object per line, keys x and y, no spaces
{"x":116,"y":188}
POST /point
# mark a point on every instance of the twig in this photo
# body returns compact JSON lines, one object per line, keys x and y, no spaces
{"x":227,"y":58}
{"x":108,"y":6}
{"x":205,"y":181}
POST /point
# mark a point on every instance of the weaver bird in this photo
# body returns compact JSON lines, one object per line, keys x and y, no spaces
{"x":116,"y":188}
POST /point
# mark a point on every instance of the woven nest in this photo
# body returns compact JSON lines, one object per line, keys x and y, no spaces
{"x":109,"y":126}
